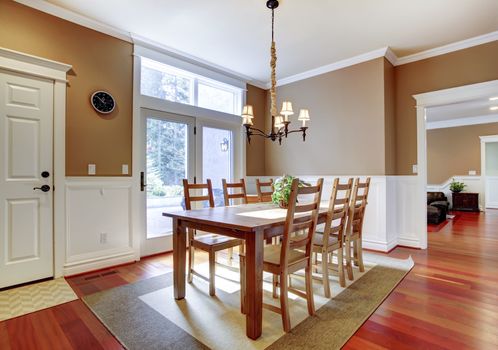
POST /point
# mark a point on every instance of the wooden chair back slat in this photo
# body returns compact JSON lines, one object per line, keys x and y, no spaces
{"x":294,"y":223}
{"x":264,"y":195}
{"x":338,"y":210}
{"x":228,"y":195}
{"x":358,"y":205}
{"x":190,"y":199}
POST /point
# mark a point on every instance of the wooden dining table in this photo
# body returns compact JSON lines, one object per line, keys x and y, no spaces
{"x":253,"y":223}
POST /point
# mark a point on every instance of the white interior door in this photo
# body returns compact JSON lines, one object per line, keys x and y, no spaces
{"x":168,"y":158}
{"x":26,"y":234}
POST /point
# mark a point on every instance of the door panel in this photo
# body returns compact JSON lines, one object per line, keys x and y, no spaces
{"x":169,"y":158}
{"x":26,"y":122}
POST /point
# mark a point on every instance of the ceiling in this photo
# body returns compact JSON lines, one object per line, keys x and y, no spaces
{"x":468,"y":112}
{"x":235,"y":34}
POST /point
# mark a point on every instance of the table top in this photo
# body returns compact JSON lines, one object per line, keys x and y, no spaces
{"x":245,"y":217}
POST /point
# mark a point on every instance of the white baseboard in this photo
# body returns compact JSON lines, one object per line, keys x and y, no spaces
{"x":409,"y":242}
{"x":379,"y":246}
{"x":99,"y":263}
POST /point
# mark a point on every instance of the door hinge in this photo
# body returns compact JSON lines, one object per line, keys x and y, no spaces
{"x":195,"y":130}
{"x":195,"y":179}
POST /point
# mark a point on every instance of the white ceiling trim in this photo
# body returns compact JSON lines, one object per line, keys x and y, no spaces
{"x":334,"y":66}
{"x":451,"y":123}
{"x":459,"y":45}
{"x":130,"y":37}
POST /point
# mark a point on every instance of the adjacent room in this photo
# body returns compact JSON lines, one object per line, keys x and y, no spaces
{"x":254,"y":174}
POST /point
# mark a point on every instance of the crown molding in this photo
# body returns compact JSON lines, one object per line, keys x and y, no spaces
{"x":87,"y":22}
{"x":441,"y":50}
{"x":332,"y":67}
{"x":452,"y":123}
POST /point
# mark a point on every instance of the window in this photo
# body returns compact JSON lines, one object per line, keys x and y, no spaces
{"x":172,"y":84}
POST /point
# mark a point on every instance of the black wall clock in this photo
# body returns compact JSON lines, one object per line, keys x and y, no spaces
{"x":103,"y":102}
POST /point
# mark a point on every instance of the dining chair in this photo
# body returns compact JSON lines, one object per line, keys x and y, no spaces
{"x":294,"y":252}
{"x":331,"y":239}
{"x":354,"y":231}
{"x":265,"y":190}
{"x":209,"y":243}
{"x":230,"y":195}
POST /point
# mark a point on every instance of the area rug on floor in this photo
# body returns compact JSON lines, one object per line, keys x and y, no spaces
{"x":144,"y":315}
{"x":34,"y":297}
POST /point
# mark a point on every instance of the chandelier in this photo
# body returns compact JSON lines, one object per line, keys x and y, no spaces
{"x":279,"y":123}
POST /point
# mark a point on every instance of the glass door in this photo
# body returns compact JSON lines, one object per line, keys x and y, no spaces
{"x":215,"y":160}
{"x":169,"y":158}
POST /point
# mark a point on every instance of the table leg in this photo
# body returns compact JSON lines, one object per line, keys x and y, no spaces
{"x":179,"y":258}
{"x":254,"y":284}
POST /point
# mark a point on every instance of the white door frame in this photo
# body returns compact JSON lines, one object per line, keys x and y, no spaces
{"x":427,"y":100}
{"x":19,"y":62}
{"x":484,"y":140}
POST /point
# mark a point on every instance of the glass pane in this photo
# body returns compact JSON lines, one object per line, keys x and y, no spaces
{"x":217,"y":159}
{"x":157,"y":81}
{"x":211,"y":97}
{"x":166,"y":167}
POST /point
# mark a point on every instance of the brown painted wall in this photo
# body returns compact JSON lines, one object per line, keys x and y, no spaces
{"x":346,"y":134}
{"x":469,"y":66}
{"x":255,"y":151}
{"x":390,"y":118}
{"x":455,"y":151}
{"x":99,"y":62}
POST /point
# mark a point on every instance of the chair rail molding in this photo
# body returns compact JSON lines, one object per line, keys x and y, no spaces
{"x":99,"y":228}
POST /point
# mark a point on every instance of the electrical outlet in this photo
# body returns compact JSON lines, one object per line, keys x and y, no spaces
{"x":92,"y":169}
{"x":472,"y":172}
{"x":124,"y":169}
{"x":103,"y":238}
{"x":415,"y":168}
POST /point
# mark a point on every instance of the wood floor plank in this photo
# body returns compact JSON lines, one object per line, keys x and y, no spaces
{"x":447,"y":301}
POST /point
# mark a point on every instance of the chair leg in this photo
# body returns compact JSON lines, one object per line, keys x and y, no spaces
{"x":242,"y":261}
{"x":315,"y":261}
{"x":190,"y":262}
{"x":360,"y":255}
{"x":212,"y":268}
{"x":309,"y":290}
{"x":284,"y":302}
{"x":325,"y":274}
{"x":274,"y":286}
{"x":340,"y":267}
{"x":355,"y":252}
{"x":349,"y":266}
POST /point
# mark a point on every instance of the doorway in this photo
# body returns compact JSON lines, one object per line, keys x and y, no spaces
{"x":177,"y":147}
{"x":26,"y":178}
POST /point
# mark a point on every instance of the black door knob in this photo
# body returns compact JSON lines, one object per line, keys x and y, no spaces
{"x":45,"y":174}
{"x":44,"y":188}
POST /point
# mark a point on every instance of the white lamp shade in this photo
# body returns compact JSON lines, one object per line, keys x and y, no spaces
{"x":287,"y":108}
{"x":279,"y":121}
{"x":247,"y":112}
{"x":304,"y":114}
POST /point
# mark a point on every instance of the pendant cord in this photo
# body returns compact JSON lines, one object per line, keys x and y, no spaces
{"x":273,"y":64}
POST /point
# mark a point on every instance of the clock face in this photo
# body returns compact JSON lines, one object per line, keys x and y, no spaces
{"x":103,"y":102}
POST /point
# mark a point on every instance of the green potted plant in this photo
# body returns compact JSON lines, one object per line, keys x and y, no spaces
{"x":282,"y":190}
{"x":456,"y":186}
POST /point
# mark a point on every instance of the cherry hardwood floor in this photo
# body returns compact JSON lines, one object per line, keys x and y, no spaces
{"x":448,"y":301}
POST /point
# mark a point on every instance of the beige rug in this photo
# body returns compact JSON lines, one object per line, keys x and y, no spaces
{"x":24,"y":300}
{"x":145,"y":315}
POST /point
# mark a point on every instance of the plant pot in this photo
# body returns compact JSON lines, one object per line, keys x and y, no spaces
{"x":283,"y":205}
{"x":457,"y":191}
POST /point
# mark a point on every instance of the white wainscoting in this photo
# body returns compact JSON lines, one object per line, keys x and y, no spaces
{"x":492,"y":192}
{"x":98,"y":223}
{"x":389,"y":220}
{"x":474,"y":184}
